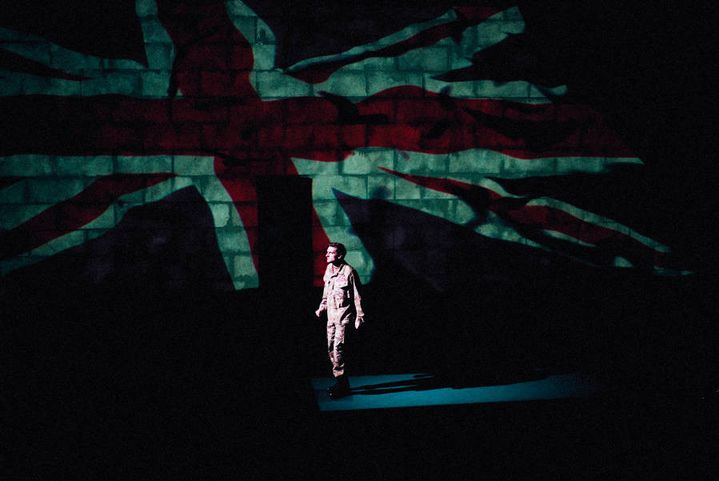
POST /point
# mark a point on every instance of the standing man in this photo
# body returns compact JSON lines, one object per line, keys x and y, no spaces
{"x":341,"y":300}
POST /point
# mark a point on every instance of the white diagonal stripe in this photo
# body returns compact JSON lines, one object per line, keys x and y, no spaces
{"x":103,"y":76}
{"x":77,"y":174}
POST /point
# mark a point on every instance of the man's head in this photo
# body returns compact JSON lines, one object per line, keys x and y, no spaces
{"x":335,"y":253}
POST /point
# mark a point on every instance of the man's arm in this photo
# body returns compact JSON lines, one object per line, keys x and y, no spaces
{"x":359,"y":313}
{"x":322,"y":308}
{"x":323,"y":302}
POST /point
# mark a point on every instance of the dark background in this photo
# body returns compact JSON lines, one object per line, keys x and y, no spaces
{"x":122,"y":379}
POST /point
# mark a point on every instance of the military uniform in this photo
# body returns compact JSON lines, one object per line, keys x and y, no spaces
{"x":341,"y":299}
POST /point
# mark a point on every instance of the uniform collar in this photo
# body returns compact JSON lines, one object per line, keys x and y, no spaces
{"x":332,"y":272}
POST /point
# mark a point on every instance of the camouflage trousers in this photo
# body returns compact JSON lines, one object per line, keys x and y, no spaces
{"x":336,"y":346}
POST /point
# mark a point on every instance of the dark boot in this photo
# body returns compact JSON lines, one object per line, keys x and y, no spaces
{"x":341,"y":388}
{"x":333,"y":386}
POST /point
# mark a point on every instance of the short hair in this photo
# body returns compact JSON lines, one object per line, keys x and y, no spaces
{"x":341,"y":249}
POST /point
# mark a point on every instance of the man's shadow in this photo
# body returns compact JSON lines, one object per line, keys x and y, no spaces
{"x":443,"y":380}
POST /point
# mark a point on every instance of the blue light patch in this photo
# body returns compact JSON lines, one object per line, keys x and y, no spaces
{"x":413,"y":390}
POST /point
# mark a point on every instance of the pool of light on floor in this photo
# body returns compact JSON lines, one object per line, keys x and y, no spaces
{"x":418,"y":389}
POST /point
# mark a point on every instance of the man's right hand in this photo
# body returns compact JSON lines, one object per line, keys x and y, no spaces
{"x":318,"y":313}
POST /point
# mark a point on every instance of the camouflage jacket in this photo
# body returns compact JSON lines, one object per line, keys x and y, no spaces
{"x":340,"y":297}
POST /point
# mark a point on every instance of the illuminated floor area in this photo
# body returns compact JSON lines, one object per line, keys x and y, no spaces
{"x":413,"y":390}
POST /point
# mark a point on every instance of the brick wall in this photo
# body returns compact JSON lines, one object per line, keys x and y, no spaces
{"x":87,"y":136}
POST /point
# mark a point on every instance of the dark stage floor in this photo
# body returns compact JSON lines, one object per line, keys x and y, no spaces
{"x":214,"y":387}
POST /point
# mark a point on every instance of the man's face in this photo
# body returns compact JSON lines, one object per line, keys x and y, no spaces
{"x":332,"y":256}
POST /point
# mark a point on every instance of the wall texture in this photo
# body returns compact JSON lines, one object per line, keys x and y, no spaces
{"x":132,"y":143}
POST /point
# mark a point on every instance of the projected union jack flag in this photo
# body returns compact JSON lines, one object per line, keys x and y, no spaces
{"x":403,"y":115}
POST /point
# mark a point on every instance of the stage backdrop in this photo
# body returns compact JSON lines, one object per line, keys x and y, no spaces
{"x":441,"y":137}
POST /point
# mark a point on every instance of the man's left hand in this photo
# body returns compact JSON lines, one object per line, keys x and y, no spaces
{"x":358,"y":322}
